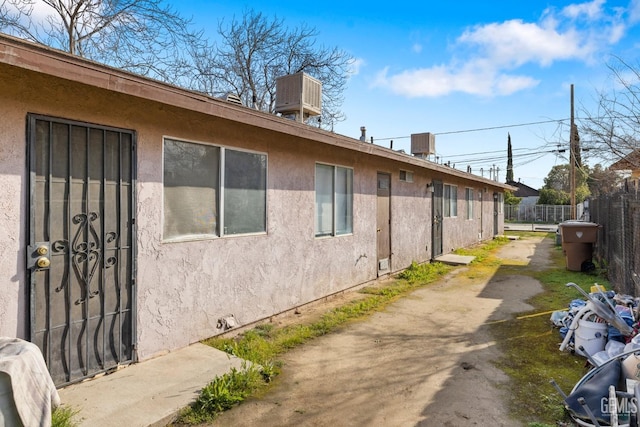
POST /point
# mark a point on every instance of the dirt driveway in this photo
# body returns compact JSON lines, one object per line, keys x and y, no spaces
{"x":425,"y":361}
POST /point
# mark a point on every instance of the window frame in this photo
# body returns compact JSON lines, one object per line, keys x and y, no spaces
{"x":348,"y":219}
{"x":469,"y":197}
{"x":220,"y":196}
{"x":408,"y":175}
{"x":450,"y":201}
{"x":224,"y":203}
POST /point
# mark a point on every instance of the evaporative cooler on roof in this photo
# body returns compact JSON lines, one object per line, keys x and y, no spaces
{"x":299,"y":95}
{"x":423,"y":144}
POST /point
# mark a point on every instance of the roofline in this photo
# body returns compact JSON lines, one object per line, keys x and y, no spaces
{"x":42,"y":59}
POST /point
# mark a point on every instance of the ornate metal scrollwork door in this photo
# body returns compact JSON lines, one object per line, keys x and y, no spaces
{"x":81,"y":249}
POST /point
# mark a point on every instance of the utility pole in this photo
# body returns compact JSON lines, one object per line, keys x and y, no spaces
{"x":572,"y":161}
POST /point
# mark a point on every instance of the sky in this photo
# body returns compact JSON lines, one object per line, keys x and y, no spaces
{"x":469,"y":72}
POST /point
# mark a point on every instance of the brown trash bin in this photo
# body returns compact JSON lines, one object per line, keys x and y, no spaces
{"x":577,"y":242}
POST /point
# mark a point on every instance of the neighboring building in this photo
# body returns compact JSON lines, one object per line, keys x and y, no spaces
{"x":138,"y":217}
{"x":629,"y":169}
{"x":630,"y":163}
{"x":528,"y":195}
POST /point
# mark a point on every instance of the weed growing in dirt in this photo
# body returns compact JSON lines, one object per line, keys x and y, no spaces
{"x":483,"y":252}
{"x":222,"y":394}
{"x":63,"y":416}
{"x":421,"y":273}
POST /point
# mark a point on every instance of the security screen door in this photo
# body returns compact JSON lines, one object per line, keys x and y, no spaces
{"x":81,"y":246}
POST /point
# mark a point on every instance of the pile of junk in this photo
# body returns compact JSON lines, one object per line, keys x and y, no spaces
{"x":603,"y":328}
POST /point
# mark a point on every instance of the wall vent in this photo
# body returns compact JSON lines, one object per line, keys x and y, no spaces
{"x":423,"y":144}
{"x":298,"y":94}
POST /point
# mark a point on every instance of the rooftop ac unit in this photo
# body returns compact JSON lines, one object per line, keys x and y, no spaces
{"x":298,"y":94}
{"x":423,"y":143}
{"x":232,"y":98}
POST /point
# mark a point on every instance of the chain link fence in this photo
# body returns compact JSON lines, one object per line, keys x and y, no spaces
{"x":618,"y":245}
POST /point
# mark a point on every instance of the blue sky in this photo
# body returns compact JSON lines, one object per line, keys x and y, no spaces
{"x":448,"y":67}
{"x":470,"y":72}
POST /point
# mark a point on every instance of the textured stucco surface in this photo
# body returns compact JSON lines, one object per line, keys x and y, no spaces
{"x":12,"y":218}
{"x":183,"y":288}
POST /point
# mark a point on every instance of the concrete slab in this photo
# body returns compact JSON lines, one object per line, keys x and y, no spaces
{"x":453,"y":259}
{"x":149,"y":393}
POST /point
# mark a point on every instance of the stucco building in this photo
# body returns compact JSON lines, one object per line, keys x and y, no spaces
{"x":138,"y":217}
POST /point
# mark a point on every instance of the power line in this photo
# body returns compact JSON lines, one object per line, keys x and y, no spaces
{"x":499,"y":159}
{"x":479,"y":129}
{"x":591,"y":119}
{"x":491,"y":162}
{"x":500,"y":127}
{"x":486,"y":152}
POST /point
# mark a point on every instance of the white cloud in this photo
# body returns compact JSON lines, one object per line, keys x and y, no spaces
{"x":417,"y":47}
{"x":441,"y":80}
{"x":634,"y":11}
{"x":513,"y":43}
{"x":592,"y":10}
{"x":506,"y":84}
{"x":488,"y":56}
{"x":38,"y":11}
{"x":617,"y":32}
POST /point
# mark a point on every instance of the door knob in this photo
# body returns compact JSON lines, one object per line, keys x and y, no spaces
{"x":39,"y":254}
{"x":43,"y":262}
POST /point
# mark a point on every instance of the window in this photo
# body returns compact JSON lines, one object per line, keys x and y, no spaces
{"x":245,"y":188}
{"x":198,"y":197}
{"x":450,"y":200}
{"x":469,"y":197}
{"x":406,"y":176}
{"x":334,"y":200}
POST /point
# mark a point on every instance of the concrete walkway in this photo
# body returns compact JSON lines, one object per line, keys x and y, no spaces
{"x":148,"y":393}
{"x":453,"y":259}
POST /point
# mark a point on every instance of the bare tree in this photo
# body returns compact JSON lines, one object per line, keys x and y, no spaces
{"x":255,"y":50}
{"x":141,"y":36}
{"x":614,"y":128}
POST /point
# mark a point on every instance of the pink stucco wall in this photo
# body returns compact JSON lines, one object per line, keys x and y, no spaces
{"x":183,"y":288}
{"x":13,"y":294}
